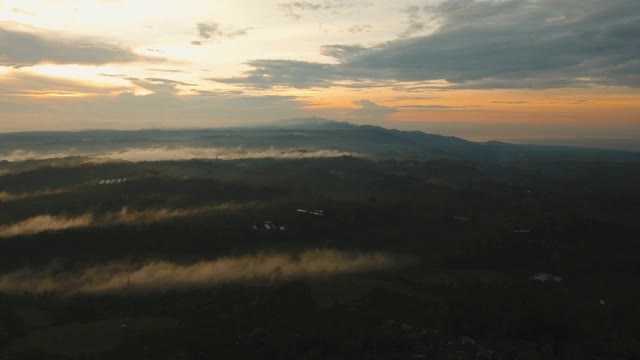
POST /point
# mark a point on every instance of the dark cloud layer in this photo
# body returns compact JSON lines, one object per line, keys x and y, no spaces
{"x":21,"y":48}
{"x":299,"y":74}
{"x":486,"y":44}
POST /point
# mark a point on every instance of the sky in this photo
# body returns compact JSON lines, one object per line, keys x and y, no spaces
{"x":478,"y":69}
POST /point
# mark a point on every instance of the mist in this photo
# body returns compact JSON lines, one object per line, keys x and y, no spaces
{"x":237,"y":153}
{"x":43,"y":223}
{"x":180,"y":153}
{"x":7,"y":196}
{"x":164,"y":275}
{"x":24,"y":155}
{"x":47,"y":222}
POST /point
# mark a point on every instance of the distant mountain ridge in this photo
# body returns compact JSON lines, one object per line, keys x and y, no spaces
{"x":310,"y":133}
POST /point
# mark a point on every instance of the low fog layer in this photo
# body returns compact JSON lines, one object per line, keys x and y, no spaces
{"x":6,"y":196}
{"x":166,"y":153}
{"x":42,"y":223}
{"x":180,"y":153}
{"x":163,"y":275}
{"x":24,"y":155}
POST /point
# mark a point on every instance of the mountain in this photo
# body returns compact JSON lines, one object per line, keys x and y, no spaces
{"x":314,"y":134}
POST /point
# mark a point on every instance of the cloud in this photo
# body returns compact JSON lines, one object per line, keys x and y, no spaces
{"x":20,"y":48}
{"x":517,"y":102}
{"x":299,"y":74}
{"x":46,"y":223}
{"x":168,"y":81}
{"x":209,"y":30}
{"x":478,"y":44}
{"x":370,"y":111}
{"x":181,"y":153}
{"x":163,"y":275}
{"x":298,"y":9}
{"x":22,"y":83}
{"x":165,"y":70}
{"x":266,"y":74}
{"x":154,"y":84}
{"x":360,"y":28}
{"x":417,"y":22}
{"x":213,"y":31}
{"x":436,"y":107}
{"x":166,"y":106}
{"x":341,"y":52}
{"x":491,"y":44}
{"x":23,"y":12}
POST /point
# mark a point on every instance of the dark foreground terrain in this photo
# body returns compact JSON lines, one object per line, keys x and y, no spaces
{"x":439,"y":255}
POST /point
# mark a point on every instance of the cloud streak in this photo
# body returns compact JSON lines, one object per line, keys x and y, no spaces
{"x":27,"y":48}
{"x":163,"y":275}
{"x":21,"y":83}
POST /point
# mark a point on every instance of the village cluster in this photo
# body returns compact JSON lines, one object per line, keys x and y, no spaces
{"x":269,"y":226}
{"x":112,"y":181}
{"x":311,"y":212}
